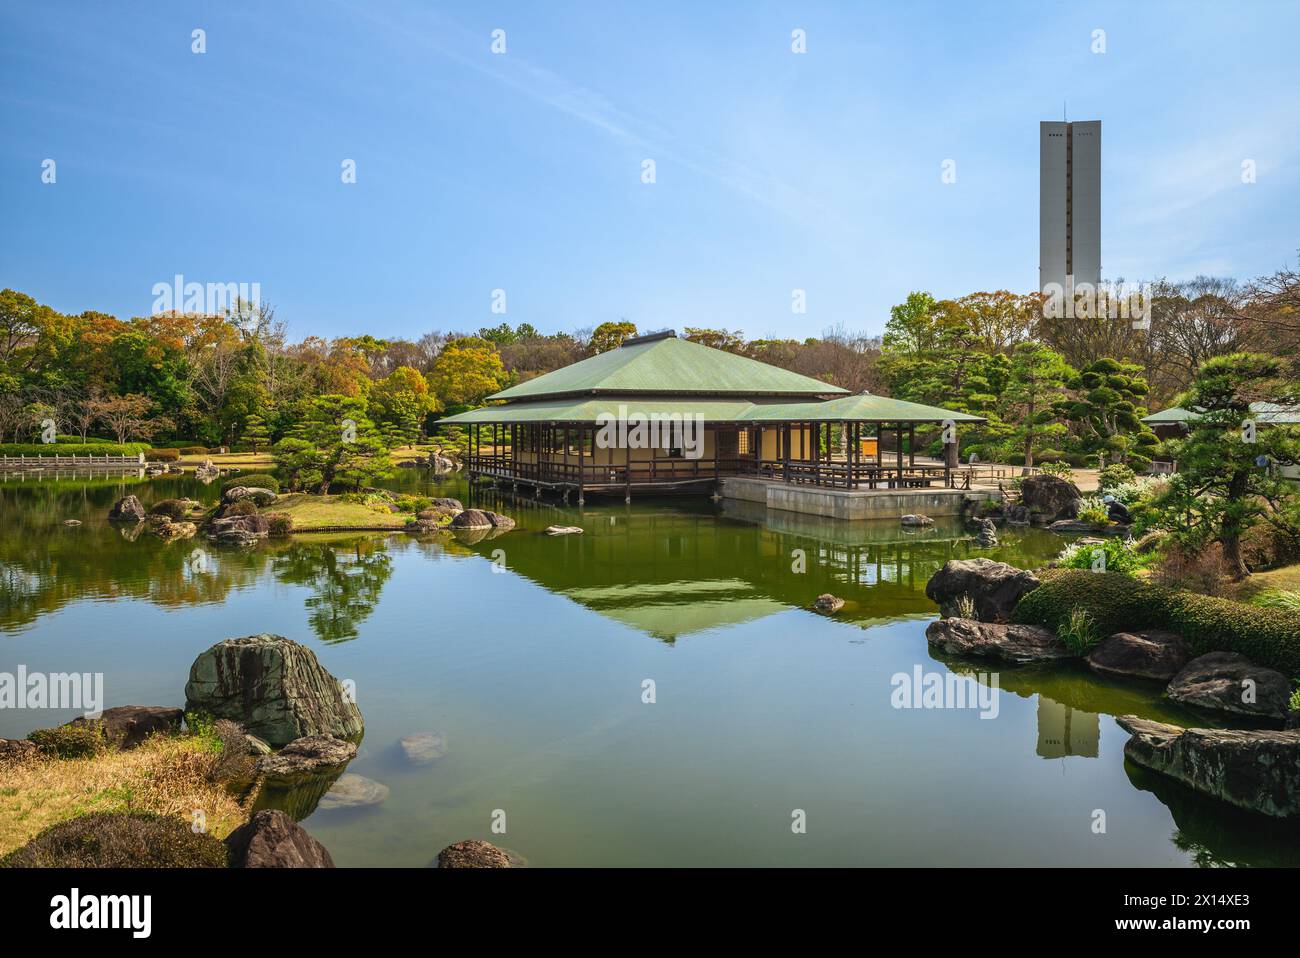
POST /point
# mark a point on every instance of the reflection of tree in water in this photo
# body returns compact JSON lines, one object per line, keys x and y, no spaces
{"x":346,"y":579}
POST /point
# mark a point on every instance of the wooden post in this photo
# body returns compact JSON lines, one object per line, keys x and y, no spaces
{"x":900,"y":456}
{"x":582,"y":450}
{"x":911,"y":447}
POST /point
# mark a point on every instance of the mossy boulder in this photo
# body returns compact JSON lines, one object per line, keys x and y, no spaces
{"x":274,"y":687}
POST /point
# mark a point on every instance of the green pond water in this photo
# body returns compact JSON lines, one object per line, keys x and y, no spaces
{"x":530,"y":653}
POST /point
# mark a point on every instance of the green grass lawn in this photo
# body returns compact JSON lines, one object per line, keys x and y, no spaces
{"x":312,"y":513}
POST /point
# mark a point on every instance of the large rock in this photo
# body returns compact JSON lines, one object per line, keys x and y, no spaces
{"x":1148,"y":654}
{"x":499,"y":522}
{"x":126,"y":726}
{"x":1258,"y":770}
{"x":164,"y":528}
{"x":473,"y":854}
{"x":564,"y":530}
{"x":309,"y":755}
{"x":259,"y":496}
{"x":1050,"y":497}
{"x":1230,"y":682}
{"x":993,"y":587}
{"x":275,"y":688}
{"x":471,"y":519}
{"x":914,"y":519}
{"x":447,"y":504}
{"x":127,"y":509}
{"x":239,"y":530}
{"x":986,"y":533}
{"x":1011,"y":643}
{"x":271,"y":839}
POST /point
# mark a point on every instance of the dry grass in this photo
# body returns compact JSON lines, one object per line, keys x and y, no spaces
{"x":1285,"y":579}
{"x":172,"y":776}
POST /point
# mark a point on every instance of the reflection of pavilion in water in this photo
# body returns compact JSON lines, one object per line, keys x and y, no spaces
{"x":674,"y":571}
{"x":1066,"y":731}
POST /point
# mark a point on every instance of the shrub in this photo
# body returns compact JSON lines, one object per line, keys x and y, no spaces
{"x":78,"y":441}
{"x":1116,"y":474}
{"x":241,"y":507}
{"x":120,"y":840}
{"x":95,"y":448}
{"x":255,"y":480}
{"x":1203,"y":570}
{"x":1079,"y":633}
{"x":162,"y":455}
{"x":408,"y":503}
{"x":1057,"y":468}
{"x":1118,"y":555}
{"x":280,"y":524}
{"x":1093,"y":511}
{"x":71,"y":741}
{"x":1117,"y":603}
{"x":194,"y":450}
{"x":173,"y":509}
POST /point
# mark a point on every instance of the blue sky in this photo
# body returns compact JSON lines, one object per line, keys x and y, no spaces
{"x":522,"y":171}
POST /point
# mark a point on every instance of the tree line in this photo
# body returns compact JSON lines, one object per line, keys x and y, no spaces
{"x":1051,"y":387}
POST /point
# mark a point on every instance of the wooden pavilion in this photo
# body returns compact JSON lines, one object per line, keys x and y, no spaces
{"x":664,"y":414}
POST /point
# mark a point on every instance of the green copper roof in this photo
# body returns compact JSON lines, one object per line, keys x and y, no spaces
{"x":590,"y":408}
{"x":1268,"y":413}
{"x":665,"y":364}
{"x":863,"y":407}
{"x":1173,"y":414}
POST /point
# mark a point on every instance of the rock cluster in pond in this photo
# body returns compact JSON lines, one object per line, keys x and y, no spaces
{"x":564,"y":530}
{"x":473,"y":854}
{"x":127,"y":509}
{"x":1050,"y":497}
{"x":274,"y":687}
{"x":993,"y":588}
{"x":828,"y":604}
{"x":1010,"y":643}
{"x":912,"y":519}
{"x":1145,"y":654}
{"x":1258,"y":770}
{"x":271,"y":839}
{"x":1230,"y":682}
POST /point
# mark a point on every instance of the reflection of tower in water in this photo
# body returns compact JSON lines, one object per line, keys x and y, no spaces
{"x":1065,"y":731}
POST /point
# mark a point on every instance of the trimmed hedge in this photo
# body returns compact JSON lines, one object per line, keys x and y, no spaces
{"x":194,"y":450}
{"x":1119,"y":603}
{"x":72,"y":449}
{"x":120,"y":840}
{"x":88,"y":441}
{"x":257,"y":480}
{"x":162,"y":455}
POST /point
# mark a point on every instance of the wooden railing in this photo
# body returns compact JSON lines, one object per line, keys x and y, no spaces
{"x":828,"y":473}
{"x":56,"y":460}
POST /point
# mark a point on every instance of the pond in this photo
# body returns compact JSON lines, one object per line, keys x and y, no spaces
{"x":534,"y":656}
